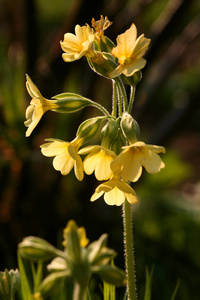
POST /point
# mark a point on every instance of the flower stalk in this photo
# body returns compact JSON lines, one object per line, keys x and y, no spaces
{"x":129,"y":251}
{"x":117,"y":160}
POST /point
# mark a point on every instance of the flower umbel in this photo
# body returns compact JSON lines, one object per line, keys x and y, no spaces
{"x":78,"y":45}
{"x":66,"y":156}
{"x":98,"y":160}
{"x":115,"y":191}
{"x":135,"y":156}
{"x":129,"y":51}
{"x":38,"y":106}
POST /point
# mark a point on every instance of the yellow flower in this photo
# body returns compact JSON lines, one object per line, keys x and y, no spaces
{"x":78,"y":45}
{"x":66,"y":156}
{"x":38,"y":106}
{"x":129,"y":51}
{"x":130,"y":161}
{"x":98,"y":160}
{"x":115,"y":191}
{"x":100,"y":26}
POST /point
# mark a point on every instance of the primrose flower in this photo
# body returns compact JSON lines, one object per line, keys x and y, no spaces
{"x":38,"y":106}
{"x":98,"y":160}
{"x":130,"y":161}
{"x":66,"y":156}
{"x":115,"y":191}
{"x":100,"y":26}
{"x":78,"y":45}
{"x":129,"y":51}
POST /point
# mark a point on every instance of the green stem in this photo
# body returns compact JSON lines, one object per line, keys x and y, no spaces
{"x":100,"y":107}
{"x":80,"y":292}
{"x":122,"y":92}
{"x":132,"y":95}
{"x":129,"y":256}
{"x":114,"y":99}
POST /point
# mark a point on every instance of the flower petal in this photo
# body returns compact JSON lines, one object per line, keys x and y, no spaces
{"x":114,"y":197}
{"x":54,"y":147}
{"x":152,"y":163}
{"x":63,"y":163}
{"x":134,"y":66}
{"x":96,"y":196}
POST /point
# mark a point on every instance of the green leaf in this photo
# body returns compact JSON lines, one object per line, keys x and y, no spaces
{"x":37,"y":275}
{"x":175,"y":290}
{"x":149,"y":277}
{"x":25,"y":287}
{"x":108,"y":291}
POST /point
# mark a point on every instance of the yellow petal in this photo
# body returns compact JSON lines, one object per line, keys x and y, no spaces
{"x":89,"y":164}
{"x":134,"y":66}
{"x":32,"y":88}
{"x":103,"y":170}
{"x":114,"y":197}
{"x":152,"y":163}
{"x":96,"y":196}
{"x":140,"y":47}
{"x":125,"y":44}
{"x":63,"y":163}
{"x":54,"y":147}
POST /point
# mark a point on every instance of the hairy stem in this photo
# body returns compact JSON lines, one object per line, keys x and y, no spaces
{"x":129,"y":256}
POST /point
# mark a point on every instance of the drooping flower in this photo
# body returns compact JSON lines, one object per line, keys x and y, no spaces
{"x":38,"y":106}
{"x":135,"y":156}
{"x":129,"y":51}
{"x":66,"y":156}
{"x":78,"y":45}
{"x":115,"y":191}
{"x":98,"y":160}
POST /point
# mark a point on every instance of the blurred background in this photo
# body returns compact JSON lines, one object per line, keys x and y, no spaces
{"x":36,"y":200}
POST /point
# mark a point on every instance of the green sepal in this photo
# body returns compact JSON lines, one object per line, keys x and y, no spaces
{"x":36,"y":249}
{"x":119,"y":140}
{"x":130,"y":128}
{"x":110,"y":274}
{"x":132,"y":80}
{"x":52,"y":282}
{"x":89,"y":128}
{"x":71,"y":102}
{"x":108,"y":63}
{"x":109,"y":132}
{"x":106,"y":45}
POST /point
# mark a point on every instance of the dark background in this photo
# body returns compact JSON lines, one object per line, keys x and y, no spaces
{"x":36,"y":200}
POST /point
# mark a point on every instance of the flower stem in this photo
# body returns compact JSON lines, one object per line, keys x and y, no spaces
{"x":114,"y":99}
{"x":132,"y":95}
{"x":129,"y":256}
{"x":80,"y":292}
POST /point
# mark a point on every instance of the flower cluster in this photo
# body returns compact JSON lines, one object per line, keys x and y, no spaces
{"x":120,"y":156}
{"x":79,"y":260}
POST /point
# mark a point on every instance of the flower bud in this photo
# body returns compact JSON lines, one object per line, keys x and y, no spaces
{"x":52,"y":283}
{"x":74,"y":240}
{"x":89,"y":128}
{"x":9,"y":283}
{"x":70,"y":102}
{"x":132,"y":80}
{"x":103,"y":64}
{"x":130,"y":128}
{"x":109,"y":132}
{"x":35,"y":248}
{"x":110,"y":274}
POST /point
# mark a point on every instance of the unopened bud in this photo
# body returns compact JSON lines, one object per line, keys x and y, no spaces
{"x":89,"y":128}
{"x":35,"y":248}
{"x":130,"y":128}
{"x":70,"y":102}
{"x":9,"y":283}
